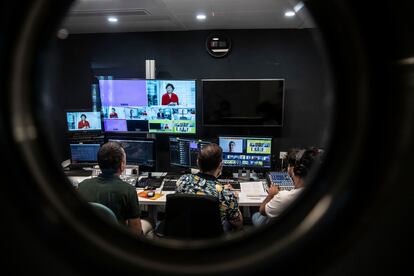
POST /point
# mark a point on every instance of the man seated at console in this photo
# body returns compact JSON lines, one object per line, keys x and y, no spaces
{"x":109,"y":190}
{"x":210,"y":163}
{"x":300,"y":163}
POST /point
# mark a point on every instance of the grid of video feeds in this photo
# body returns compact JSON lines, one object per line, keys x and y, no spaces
{"x":161,"y":106}
{"x":246,"y":152}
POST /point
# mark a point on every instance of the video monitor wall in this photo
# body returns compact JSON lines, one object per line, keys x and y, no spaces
{"x":157,"y":106}
{"x":246,"y":152}
{"x":83,"y":121}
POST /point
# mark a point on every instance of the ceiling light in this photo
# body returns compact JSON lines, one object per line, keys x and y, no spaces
{"x":112,"y":19}
{"x":298,"y":6}
{"x":215,"y":38}
{"x":289,"y":13}
{"x":201,"y":16}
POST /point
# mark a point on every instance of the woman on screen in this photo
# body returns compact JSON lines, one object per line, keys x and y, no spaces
{"x":169,"y":98}
{"x":113,"y":114}
{"x":83,"y":123}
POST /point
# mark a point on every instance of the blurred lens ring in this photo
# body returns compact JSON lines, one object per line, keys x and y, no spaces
{"x":26,"y":134}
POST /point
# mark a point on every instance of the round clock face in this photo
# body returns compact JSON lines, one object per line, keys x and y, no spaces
{"x":218,"y":45}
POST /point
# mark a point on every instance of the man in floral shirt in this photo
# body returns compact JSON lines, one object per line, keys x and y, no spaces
{"x":205,"y":182}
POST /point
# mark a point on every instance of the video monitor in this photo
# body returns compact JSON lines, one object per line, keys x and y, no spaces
{"x":243,"y":102}
{"x":246,"y":152}
{"x":138,"y":152}
{"x":84,"y":153}
{"x":158,"y":106}
{"x":83,"y":121}
{"x":184,"y":151}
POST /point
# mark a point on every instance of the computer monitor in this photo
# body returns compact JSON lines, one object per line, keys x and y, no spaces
{"x":138,"y":152}
{"x":184,"y":151}
{"x":78,"y":121}
{"x":246,"y":152}
{"x":84,"y":153}
{"x":134,"y":105}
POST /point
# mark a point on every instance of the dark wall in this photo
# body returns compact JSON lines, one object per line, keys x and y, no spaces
{"x":288,"y":54}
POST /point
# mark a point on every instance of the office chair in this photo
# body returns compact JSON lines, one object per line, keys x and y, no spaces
{"x":189,"y":216}
{"x":104,"y":212}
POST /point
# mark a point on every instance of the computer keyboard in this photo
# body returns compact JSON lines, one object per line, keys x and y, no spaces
{"x":78,"y":172}
{"x":80,"y":166}
{"x":282,"y":179}
{"x":169,"y":185}
{"x":149,"y":182}
{"x":233,"y":182}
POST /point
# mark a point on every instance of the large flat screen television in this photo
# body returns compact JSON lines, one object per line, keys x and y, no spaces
{"x":243,"y":102}
{"x":159,"y":106}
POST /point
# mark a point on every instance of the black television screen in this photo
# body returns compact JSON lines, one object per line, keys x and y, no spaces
{"x":159,"y":106}
{"x":243,"y":102}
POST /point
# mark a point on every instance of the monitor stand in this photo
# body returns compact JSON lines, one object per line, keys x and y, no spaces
{"x":243,"y":174}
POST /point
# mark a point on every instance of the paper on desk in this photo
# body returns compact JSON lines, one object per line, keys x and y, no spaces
{"x":252,"y":189}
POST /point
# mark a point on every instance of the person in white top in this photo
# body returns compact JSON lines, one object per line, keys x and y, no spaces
{"x":277,"y":201}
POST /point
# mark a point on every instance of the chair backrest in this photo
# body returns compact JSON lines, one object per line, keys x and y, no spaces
{"x":189,"y":216}
{"x":104,"y":211}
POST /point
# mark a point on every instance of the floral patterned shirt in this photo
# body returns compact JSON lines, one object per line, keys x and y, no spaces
{"x":204,"y":184}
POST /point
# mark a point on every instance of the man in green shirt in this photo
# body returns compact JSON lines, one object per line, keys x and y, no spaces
{"x":109,"y":190}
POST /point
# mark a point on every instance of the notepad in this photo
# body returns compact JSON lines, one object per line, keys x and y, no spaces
{"x":253,"y":189}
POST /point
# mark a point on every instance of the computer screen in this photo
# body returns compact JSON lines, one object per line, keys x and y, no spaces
{"x":184,"y":151}
{"x":138,"y":152}
{"x":243,"y":102}
{"x":159,"y":106}
{"x":246,"y":152}
{"x":84,"y":153}
{"x":83,"y":121}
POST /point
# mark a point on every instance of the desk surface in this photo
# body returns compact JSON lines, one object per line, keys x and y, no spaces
{"x":244,"y":200}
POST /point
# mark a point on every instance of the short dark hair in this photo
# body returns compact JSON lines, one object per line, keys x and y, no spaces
{"x":209,"y":157}
{"x":232,"y":142}
{"x":110,"y":157}
{"x":83,"y":115}
{"x":170,"y":84}
{"x":291,"y":156}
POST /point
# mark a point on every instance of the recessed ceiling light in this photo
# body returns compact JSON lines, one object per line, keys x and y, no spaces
{"x":289,"y":13}
{"x":215,"y":38}
{"x":112,"y":19}
{"x":298,"y":6}
{"x":201,"y":16}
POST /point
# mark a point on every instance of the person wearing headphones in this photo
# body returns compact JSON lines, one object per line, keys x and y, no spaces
{"x":277,"y":200}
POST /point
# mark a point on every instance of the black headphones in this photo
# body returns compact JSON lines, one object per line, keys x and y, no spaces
{"x":304,"y":161}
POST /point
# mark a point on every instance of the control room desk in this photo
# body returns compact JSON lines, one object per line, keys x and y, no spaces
{"x":242,"y":199}
{"x":153,"y":206}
